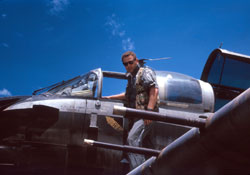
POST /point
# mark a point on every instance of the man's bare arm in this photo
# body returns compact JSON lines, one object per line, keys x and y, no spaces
{"x":153,"y":93}
{"x":118,"y":96}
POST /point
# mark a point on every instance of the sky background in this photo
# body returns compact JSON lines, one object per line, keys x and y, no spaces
{"x":46,"y":41}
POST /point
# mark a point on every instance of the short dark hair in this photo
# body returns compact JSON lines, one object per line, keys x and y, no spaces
{"x":126,"y":54}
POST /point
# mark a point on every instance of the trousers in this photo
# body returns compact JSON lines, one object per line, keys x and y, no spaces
{"x":135,"y":138}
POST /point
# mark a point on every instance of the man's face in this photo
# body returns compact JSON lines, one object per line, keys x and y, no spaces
{"x":130,"y":63}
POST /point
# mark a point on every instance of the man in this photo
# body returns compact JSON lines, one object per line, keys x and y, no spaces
{"x":141,"y":93}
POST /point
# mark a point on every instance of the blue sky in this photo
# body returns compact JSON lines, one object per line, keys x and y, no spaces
{"x":46,"y":41}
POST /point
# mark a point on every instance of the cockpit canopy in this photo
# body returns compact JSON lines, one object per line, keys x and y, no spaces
{"x":179,"y":88}
{"x":82,"y":86}
{"x":228,"y":73}
{"x":184,"y":92}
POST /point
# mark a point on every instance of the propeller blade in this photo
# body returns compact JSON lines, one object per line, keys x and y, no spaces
{"x":155,"y":59}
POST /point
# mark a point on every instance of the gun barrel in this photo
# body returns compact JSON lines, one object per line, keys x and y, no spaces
{"x":168,"y":118}
{"x":126,"y":148}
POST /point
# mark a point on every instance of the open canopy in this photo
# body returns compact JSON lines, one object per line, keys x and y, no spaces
{"x":228,"y":73}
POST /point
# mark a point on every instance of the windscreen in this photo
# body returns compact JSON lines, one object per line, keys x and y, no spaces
{"x":82,"y":86}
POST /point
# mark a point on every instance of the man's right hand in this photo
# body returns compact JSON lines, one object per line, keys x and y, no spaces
{"x":147,"y":122}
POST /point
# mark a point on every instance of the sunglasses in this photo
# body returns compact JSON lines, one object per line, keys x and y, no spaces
{"x":129,"y":62}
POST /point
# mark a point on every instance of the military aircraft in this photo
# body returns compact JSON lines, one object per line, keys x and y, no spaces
{"x":45,"y":133}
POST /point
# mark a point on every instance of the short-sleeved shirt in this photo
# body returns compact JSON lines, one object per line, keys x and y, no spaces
{"x":148,"y":78}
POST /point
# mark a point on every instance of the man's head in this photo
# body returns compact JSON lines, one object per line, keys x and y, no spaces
{"x":129,"y":61}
